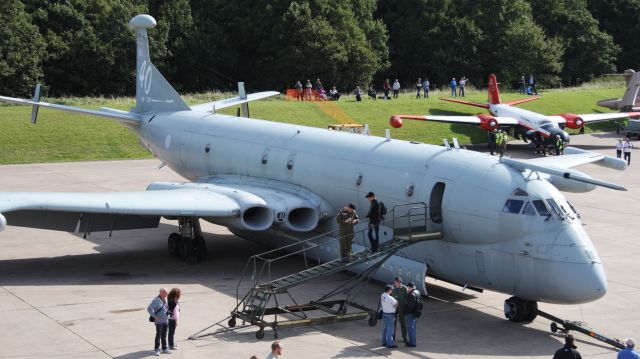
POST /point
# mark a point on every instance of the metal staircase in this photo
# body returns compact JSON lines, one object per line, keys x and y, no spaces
{"x":410,"y":224}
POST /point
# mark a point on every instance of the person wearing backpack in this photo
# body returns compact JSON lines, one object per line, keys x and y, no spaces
{"x":374,"y":221}
{"x":158,"y":311}
{"x":412,"y":311}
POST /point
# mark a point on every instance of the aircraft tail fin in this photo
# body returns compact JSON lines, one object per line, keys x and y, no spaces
{"x":630,"y":95}
{"x":494,"y":94}
{"x":153,"y":91}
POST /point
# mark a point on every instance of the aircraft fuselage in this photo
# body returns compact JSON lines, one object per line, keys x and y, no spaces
{"x":529,"y":121}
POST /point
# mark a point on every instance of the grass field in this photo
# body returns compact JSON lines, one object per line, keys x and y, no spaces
{"x":62,"y":136}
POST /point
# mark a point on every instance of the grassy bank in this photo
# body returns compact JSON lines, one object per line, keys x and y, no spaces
{"x":62,"y":136}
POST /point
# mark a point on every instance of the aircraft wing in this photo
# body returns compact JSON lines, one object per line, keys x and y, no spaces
{"x":559,"y":166}
{"x":234,"y":101}
{"x":595,"y":117}
{"x":468,"y":120}
{"x":85,"y":212}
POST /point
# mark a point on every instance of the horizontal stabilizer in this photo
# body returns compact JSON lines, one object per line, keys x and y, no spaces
{"x":234,"y":101}
{"x":483,"y":105}
{"x":524,"y":165}
{"x":122,"y":117}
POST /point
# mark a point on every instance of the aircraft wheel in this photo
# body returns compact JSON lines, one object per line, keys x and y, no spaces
{"x":201,"y":249}
{"x":372,"y":320}
{"x":260,"y":333}
{"x":232,"y":322}
{"x":515,"y":309}
{"x":554,"y":327}
{"x":174,"y":244}
{"x":532,"y":311}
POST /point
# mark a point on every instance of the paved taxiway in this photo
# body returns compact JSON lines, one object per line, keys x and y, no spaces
{"x":64,"y":296}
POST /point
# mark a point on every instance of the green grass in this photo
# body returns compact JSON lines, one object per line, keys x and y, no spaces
{"x":63,"y":136}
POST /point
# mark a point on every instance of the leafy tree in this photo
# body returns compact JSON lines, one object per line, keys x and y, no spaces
{"x":588,"y":51}
{"x":619,"y":18}
{"x":21,"y":50}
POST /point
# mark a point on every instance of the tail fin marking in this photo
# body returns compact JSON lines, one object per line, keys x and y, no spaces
{"x":153,"y":91}
{"x":494,"y":94}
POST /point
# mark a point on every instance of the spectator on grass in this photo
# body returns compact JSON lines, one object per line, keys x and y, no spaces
{"x":418,"y":87}
{"x":386,"y":87}
{"x":299,"y":91}
{"x":425,"y":87}
{"x":396,"y":88}
{"x":307,"y":90}
{"x":454,"y":85}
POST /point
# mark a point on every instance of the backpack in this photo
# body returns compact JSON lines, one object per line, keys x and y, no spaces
{"x":383,"y":210}
{"x":417,"y":310}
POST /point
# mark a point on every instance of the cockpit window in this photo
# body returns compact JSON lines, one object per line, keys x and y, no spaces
{"x":556,"y":208}
{"x":528,"y":210}
{"x":519,"y":193}
{"x":512,"y":206}
{"x":542,"y":209}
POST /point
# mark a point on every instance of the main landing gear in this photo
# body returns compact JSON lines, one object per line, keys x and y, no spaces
{"x":189,"y":244}
{"x":520,"y":310}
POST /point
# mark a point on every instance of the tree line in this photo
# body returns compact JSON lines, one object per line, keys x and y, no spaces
{"x":84,"y":47}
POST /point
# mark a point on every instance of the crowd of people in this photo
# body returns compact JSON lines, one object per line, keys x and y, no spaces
{"x":315,"y":91}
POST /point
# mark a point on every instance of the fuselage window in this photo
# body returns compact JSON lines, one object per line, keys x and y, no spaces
{"x":542,"y":209}
{"x":528,"y":210}
{"x":512,"y":206}
{"x":519,"y":193}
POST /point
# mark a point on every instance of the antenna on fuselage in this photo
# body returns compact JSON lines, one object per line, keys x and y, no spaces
{"x":456,"y":145}
{"x":446,"y":144}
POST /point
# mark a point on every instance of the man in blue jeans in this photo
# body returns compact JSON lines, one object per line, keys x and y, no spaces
{"x":410,"y":311}
{"x":159,"y":310}
{"x":388,"y":305}
{"x":374,"y":221}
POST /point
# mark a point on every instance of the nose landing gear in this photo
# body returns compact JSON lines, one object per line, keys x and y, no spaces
{"x":189,"y":244}
{"x":520,"y":310}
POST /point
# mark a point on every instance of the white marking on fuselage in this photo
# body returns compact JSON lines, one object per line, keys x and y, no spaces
{"x":528,"y":119}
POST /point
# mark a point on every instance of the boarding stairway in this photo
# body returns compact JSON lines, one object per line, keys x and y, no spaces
{"x":410,"y":223}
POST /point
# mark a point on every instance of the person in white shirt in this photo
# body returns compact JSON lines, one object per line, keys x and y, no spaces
{"x":396,"y":88}
{"x":276,"y":350}
{"x":619,"y":146}
{"x":388,"y":305}
{"x":626,"y":148}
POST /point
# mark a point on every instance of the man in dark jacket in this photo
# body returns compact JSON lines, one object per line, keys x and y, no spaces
{"x":346,"y":219}
{"x":410,"y":312}
{"x":568,"y":351}
{"x":374,"y":221}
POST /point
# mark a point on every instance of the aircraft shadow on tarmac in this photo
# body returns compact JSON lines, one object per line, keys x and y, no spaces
{"x":453,"y":322}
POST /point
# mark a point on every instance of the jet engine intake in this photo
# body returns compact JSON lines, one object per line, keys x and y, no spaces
{"x":487,"y":122}
{"x":302,"y":219}
{"x":573,"y":121}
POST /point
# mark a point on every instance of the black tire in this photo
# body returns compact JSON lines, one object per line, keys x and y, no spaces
{"x":173,"y":245}
{"x":373,"y":320}
{"x":554,"y":327}
{"x":532,"y":311}
{"x":260,"y":334}
{"x":232,"y":322}
{"x":201,"y":249}
{"x":515,"y":309}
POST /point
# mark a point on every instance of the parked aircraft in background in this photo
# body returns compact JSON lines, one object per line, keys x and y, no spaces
{"x":526,"y":124}
{"x":630,"y":100}
{"x":506,"y":226}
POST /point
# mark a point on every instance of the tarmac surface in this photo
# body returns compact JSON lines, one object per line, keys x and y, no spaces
{"x":65,"y":296}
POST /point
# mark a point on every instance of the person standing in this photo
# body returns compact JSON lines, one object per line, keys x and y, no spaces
{"x":358,"y":93}
{"x":454,"y":85}
{"x":374,"y":221}
{"x":386,"y":88}
{"x":396,"y":88}
{"x":276,"y":350}
{"x":501,"y":141}
{"x":628,"y":352}
{"x":418,"y":87}
{"x":463,"y":82}
{"x":492,"y":141}
{"x":619,"y":147}
{"x":158,"y":309}
{"x":388,"y":305}
{"x":346,"y":218}
{"x":299,"y":91}
{"x":568,"y":351}
{"x":412,"y":311}
{"x":307,"y":90}
{"x":559,"y":145}
{"x":626,"y":149}
{"x":532,"y":84}
{"x":173,"y":300}
{"x":399,"y":292}
{"x":523,"y":85}
{"x":425,"y":87}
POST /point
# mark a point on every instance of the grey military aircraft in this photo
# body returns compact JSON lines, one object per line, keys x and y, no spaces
{"x":506,"y":225}
{"x":630,"y":101}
